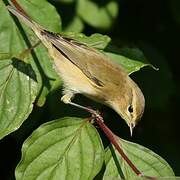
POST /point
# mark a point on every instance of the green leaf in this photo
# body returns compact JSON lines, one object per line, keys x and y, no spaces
{"x":76,"y":25}
{"x":132,"y":59}
{"x":20,"y":80}
{"x":18,"y":90}
{"x":149,"y":163}
{"x":18,"y":86}
{"x":98,"y":15}
{"x":68,"y":148}
{"x":129,"y":65}
{"x":96,"y":40}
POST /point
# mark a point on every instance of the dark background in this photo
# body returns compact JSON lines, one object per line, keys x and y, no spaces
{"x":153,"y":26}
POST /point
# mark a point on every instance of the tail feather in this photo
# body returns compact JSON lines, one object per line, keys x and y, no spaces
{"x":26,"y":19}
{"x":38,"y":30}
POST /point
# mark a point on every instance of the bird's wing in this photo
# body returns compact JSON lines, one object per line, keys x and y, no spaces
{"x":95,"y":65}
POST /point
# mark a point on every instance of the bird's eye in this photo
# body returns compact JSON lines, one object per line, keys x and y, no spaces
{"x":130,"y":109}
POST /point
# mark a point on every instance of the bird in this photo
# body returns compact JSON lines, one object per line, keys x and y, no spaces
{"x":87,"y":71}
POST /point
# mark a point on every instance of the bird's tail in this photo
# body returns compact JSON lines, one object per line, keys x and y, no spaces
{"x":22,"y":15}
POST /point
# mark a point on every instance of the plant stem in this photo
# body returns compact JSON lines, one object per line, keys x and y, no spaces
{"x":113,"y":139}
{"x":17,"y":6}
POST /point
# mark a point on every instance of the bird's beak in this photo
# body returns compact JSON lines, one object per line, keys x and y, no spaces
{"x":131,"y":127}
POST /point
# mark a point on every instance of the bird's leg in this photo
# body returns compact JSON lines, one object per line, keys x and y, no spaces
{"x":67,"y":100}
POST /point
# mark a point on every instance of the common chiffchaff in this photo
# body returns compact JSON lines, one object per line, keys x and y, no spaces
{"x":86,"y":71}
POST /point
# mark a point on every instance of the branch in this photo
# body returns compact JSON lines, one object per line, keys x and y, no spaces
{"x":113,"y":139}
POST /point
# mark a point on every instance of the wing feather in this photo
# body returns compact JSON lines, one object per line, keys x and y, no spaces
{"x":91,"y":62}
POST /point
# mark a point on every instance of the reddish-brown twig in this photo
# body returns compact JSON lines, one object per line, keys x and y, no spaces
{"x":114,"y":140}
{"x":17,"y":6}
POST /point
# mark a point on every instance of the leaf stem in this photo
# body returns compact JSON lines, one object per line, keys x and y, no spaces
{"x":113,"y":139}
{"x":17,"y":6}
